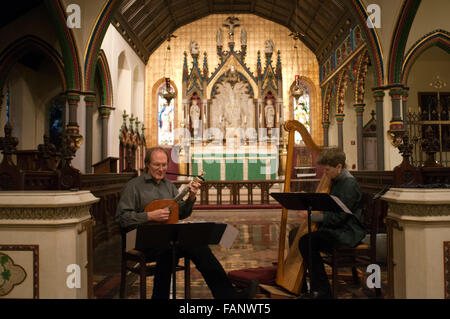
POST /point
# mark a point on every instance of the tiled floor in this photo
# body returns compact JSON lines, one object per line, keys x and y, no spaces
{"x":255,"y":246}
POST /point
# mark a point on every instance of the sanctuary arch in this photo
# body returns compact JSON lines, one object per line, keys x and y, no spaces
{"x":229,"y":115}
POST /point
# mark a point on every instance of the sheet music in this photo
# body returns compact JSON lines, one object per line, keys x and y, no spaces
{"x":341,"y":205}
{"x":228,"y":237}
{"x":131,"y":239}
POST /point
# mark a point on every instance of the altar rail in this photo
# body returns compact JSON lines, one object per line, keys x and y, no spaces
{"x":250,"y":193}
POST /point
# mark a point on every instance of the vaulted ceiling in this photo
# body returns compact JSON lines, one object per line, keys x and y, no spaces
{"x":146,"y":23}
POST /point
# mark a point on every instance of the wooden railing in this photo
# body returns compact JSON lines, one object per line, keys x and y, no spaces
{"x":251,"y":192}
{"x":107,"y":187}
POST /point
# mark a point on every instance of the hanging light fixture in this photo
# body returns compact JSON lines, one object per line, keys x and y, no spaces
{"x":297,"y":90}
{"x":168,"y":93}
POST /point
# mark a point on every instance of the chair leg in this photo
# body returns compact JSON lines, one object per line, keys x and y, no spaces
{"x":123,"y":279}
{"x":378,"y":292}
{"x":187,"y":278}
{"x":334,"y":276}
{"x":143,"y":280}
{"x":355,"y":275}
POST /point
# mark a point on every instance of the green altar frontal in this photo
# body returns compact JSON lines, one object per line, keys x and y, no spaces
{"x":233,"y":166}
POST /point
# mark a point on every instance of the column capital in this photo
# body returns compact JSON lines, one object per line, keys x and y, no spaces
{"x":378,"y":95}
{"x":105,"y":111}
{"x":340,"y":118}
{"x":405,"y":94}
{"x":359,"y":108}
{"x":89,"y":98}
{"x":325,"y":124}
{"x":396,"y":93}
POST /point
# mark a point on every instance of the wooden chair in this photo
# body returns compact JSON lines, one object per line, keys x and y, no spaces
{"x":143,"y":266}
{"x":363,"y":254}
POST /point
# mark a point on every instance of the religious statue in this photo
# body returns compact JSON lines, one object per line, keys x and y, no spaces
{"x":219,"y":37}
{"x":269,"y":46}
{"x":243,"y":37}
{"x":194,"y":113}
{"x":231,"y":24}
{"x":193,"y":45}
{"x":269,"y":112}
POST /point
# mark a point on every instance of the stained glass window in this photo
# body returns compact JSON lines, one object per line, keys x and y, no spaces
{"x":56,"y":123}
{"x":166,"y":117}
{"x":302,"y":111}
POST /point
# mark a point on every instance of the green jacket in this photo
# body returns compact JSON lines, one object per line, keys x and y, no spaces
{"x":347,"y":228}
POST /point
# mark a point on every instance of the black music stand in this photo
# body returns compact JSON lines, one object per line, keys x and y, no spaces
{"x":174,"y":236}
{"x":310,"y":202}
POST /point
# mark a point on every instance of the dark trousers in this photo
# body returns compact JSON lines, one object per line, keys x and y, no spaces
{"x":204,"y":260}
{"x":320,"y":241}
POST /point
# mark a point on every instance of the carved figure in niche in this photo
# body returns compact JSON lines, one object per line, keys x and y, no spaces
{"x":194,"y":114}
{"x":269,"y":112}
{"x":243,"y":37}
{"x":219,"y":37}
{"x":269,"y":46}
{"x":193,"y":46}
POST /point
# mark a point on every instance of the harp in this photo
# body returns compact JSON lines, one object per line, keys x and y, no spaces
{"x":290,"y":270}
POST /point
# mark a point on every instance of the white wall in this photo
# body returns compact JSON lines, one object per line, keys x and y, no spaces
{"x":128,"y":88}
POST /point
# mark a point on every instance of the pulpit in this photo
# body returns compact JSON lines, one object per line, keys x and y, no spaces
{"x":46,"y":244}
{"x":418,"y":226}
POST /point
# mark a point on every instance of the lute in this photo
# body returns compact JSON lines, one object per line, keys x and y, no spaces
{"x":173,"y":204}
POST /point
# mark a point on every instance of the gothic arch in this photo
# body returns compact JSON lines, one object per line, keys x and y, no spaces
{"x":342,"y":83}
{"x":439,"y":38}
{"x":95,"y":41}
{"x":401,"y":31}
{"x":19,"y":48}
{"x":105,"y":77}
{"x":326,"y":103}
{"x":357,"y":8}
{"x":361,"y":74}
{"x":151,"y":113}
{"x":69,"y":49}
{"x":312,"y":95}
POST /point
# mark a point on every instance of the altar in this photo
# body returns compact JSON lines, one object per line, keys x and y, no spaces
{"x":237,"y":162}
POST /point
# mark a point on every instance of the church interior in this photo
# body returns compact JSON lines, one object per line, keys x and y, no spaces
{"x":247,"y":92}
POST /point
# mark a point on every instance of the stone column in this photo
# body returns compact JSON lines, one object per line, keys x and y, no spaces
{"x":379,"y":98}
{"x":89,"y":100}
{"x":359,"y":109}
{"x":404,"y":108}
{"x":325,"y":127}
{"x":396,"y":94}
{"x":340,"y":123}
{"x":105,"y":112}
{"x":72,"y":128}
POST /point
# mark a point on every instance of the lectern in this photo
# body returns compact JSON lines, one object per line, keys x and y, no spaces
{"x":175,"y":236}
